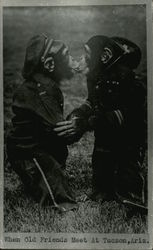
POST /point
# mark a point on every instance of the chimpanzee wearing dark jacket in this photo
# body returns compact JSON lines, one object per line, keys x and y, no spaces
{"x":35,"y":152}
{"x":115,"y":111}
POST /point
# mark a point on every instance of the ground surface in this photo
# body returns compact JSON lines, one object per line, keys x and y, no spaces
{"x":74,"y":27}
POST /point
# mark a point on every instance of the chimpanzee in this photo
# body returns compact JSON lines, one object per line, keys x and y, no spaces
{"x":115,"y":111}
{"x":34,"y":150}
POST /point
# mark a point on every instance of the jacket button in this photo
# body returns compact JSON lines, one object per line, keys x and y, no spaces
{"x":97,"y":87}
{"x":38,"y":85}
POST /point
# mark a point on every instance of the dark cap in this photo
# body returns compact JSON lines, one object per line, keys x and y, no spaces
{"x":132,"y":53}
{"x":123,"y":50}
{"x":38,"y":49}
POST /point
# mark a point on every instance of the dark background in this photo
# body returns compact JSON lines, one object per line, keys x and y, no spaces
{"x":73,"y":25}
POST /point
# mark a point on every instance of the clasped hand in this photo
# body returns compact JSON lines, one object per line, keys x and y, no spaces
{"x":67,"y":129}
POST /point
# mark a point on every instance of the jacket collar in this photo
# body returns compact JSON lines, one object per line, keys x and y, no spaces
{"x":43,"y":79}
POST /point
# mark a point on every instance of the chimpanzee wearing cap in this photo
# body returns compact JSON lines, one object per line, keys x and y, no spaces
{"x":35,"y":152}
{"x":115,"y":111}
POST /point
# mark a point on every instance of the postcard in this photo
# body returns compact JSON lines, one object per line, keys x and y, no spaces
{"x":76,"y":124}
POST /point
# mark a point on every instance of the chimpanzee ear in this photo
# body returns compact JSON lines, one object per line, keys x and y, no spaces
{"x":49,"y":64}
{"x":106,"y":55}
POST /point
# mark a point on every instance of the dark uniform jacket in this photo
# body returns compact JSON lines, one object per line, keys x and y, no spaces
{"x":37,"y":107}
{"x":115,"y":110}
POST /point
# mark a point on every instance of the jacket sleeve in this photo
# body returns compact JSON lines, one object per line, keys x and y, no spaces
{"x":52,"y":143}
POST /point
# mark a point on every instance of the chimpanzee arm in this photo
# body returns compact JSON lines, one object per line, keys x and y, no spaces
{"x":85,"y":111}
{"x":83,"y":114}
{"x":81,"y":119}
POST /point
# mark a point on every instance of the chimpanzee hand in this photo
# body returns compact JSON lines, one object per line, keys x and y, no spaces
{"x":71,"y":130}
{"x":65,"y":128}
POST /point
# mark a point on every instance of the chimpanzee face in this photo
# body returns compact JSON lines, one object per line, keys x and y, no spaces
{"x":90,"y":61}
{"x":65,"y":65}
{"x":60,"y":65}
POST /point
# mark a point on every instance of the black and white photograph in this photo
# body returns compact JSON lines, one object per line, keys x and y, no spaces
{"x":76,"y":153}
